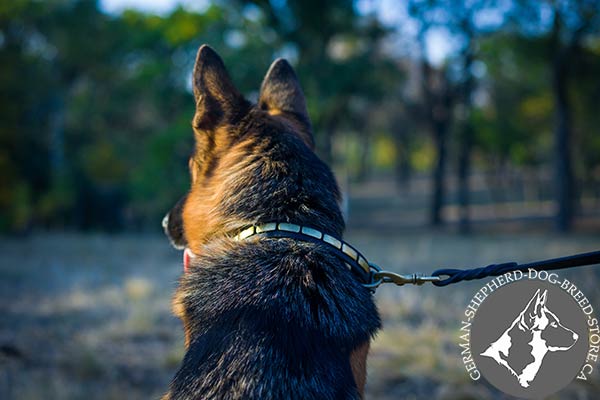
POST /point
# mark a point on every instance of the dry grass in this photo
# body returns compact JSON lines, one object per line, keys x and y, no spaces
{"x":88,"y":317}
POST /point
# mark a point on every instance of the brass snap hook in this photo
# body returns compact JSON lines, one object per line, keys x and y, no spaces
{"x":403,"y":279}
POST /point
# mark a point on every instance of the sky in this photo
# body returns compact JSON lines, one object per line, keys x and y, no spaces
{"x":152,"y":6}
{"x":438,"y":43}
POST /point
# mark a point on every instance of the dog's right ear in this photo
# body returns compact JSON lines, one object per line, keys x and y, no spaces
{"x":280,"y":92}
{"x":540,"y":302}
{"x":217,"y":100}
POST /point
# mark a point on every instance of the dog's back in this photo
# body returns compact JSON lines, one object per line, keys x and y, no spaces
{"x":274,"y":319}
{"x":266,"y":317}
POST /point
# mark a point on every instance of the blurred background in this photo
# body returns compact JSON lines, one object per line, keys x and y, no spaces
{"x":463,"y":133}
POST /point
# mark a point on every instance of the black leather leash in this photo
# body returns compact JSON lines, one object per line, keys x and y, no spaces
{"x":458,"y":275}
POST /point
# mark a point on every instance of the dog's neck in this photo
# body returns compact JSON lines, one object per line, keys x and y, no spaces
{"x":538,"y":351}
{"x":297,"y":188}
{"x":352,"y":258}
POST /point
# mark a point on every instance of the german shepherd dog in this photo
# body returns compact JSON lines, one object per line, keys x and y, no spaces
{"x":266,"y":317}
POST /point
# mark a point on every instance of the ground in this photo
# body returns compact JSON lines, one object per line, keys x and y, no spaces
{"x":88,"y":316}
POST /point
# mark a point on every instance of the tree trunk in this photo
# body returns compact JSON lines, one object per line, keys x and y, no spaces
{"x":402,"y":168}
{"x":56,"y":140}
{"x":465,"y":146}
{"x":364,"y":140}
{"x":327,"y":141}
{"x":464,"y":171}
{"x":439,"y":172}
{"x":562,"y":146}
{"x":437,"y":111}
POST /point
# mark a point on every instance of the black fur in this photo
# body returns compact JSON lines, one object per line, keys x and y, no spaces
{"x":174,"y":224}
{"x":284,"y":181}
{"x":272,"y":318}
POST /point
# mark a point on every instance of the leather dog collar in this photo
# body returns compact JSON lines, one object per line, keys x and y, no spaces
{"x":353,"y":259}
{"x":370,"y":275}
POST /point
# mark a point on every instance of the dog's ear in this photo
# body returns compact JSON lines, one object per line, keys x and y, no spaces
{"x":535,"y":307}
{"x":217,"y":100}
{"x":530,"y":311}
{"x":540,"y":303}
{"x":280,"y":92}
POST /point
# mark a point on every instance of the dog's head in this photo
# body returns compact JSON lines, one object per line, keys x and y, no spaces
{"x":251,"y":163}
{"x":538,"y":317}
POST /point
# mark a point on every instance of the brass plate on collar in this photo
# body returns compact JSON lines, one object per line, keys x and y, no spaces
{"x":364,"y":264}
{"x":349,"y":251}
{"x":312,"y":232}
{"x":271,"y":226}
{"x":332,"y":241}
{"x":245,"y":233}
{"x":284,"y":226}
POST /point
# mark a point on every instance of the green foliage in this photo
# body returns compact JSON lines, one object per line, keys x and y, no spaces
{"x":96,"y":108}
{"x":87,"y":95}
{"x":516,"y":123}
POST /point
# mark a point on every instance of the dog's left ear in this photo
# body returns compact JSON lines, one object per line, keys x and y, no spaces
{"x":540,"y":302}
{"x":218,"y":102}
{"x":280,"y":92}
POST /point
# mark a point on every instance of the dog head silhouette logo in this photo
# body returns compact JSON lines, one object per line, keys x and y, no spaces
{"x":537,"y":323}
{"x":528,"y":338}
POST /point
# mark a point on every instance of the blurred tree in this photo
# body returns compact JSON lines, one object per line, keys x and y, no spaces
{"x":570,"y":23}
{"x":438,"y":96}
{"x":338,"y":58}
{"x":464,"y":23}
{"x":514,"y":115}
{"x":565,"y":24}
{"x":84,"y":90}
{"x":513,"y":122}
{"x":586,"y":97}
{"x":27,"y":84}
{"x":96,"y":107}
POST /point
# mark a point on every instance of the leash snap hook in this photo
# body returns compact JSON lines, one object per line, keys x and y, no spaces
{"x":404,"y":279}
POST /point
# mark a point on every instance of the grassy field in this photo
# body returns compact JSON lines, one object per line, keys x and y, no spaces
{"x":88,"y":317}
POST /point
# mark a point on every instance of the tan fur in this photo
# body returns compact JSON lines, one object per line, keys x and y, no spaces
{"x":208,"y":190}
{"x":358,"y":361}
